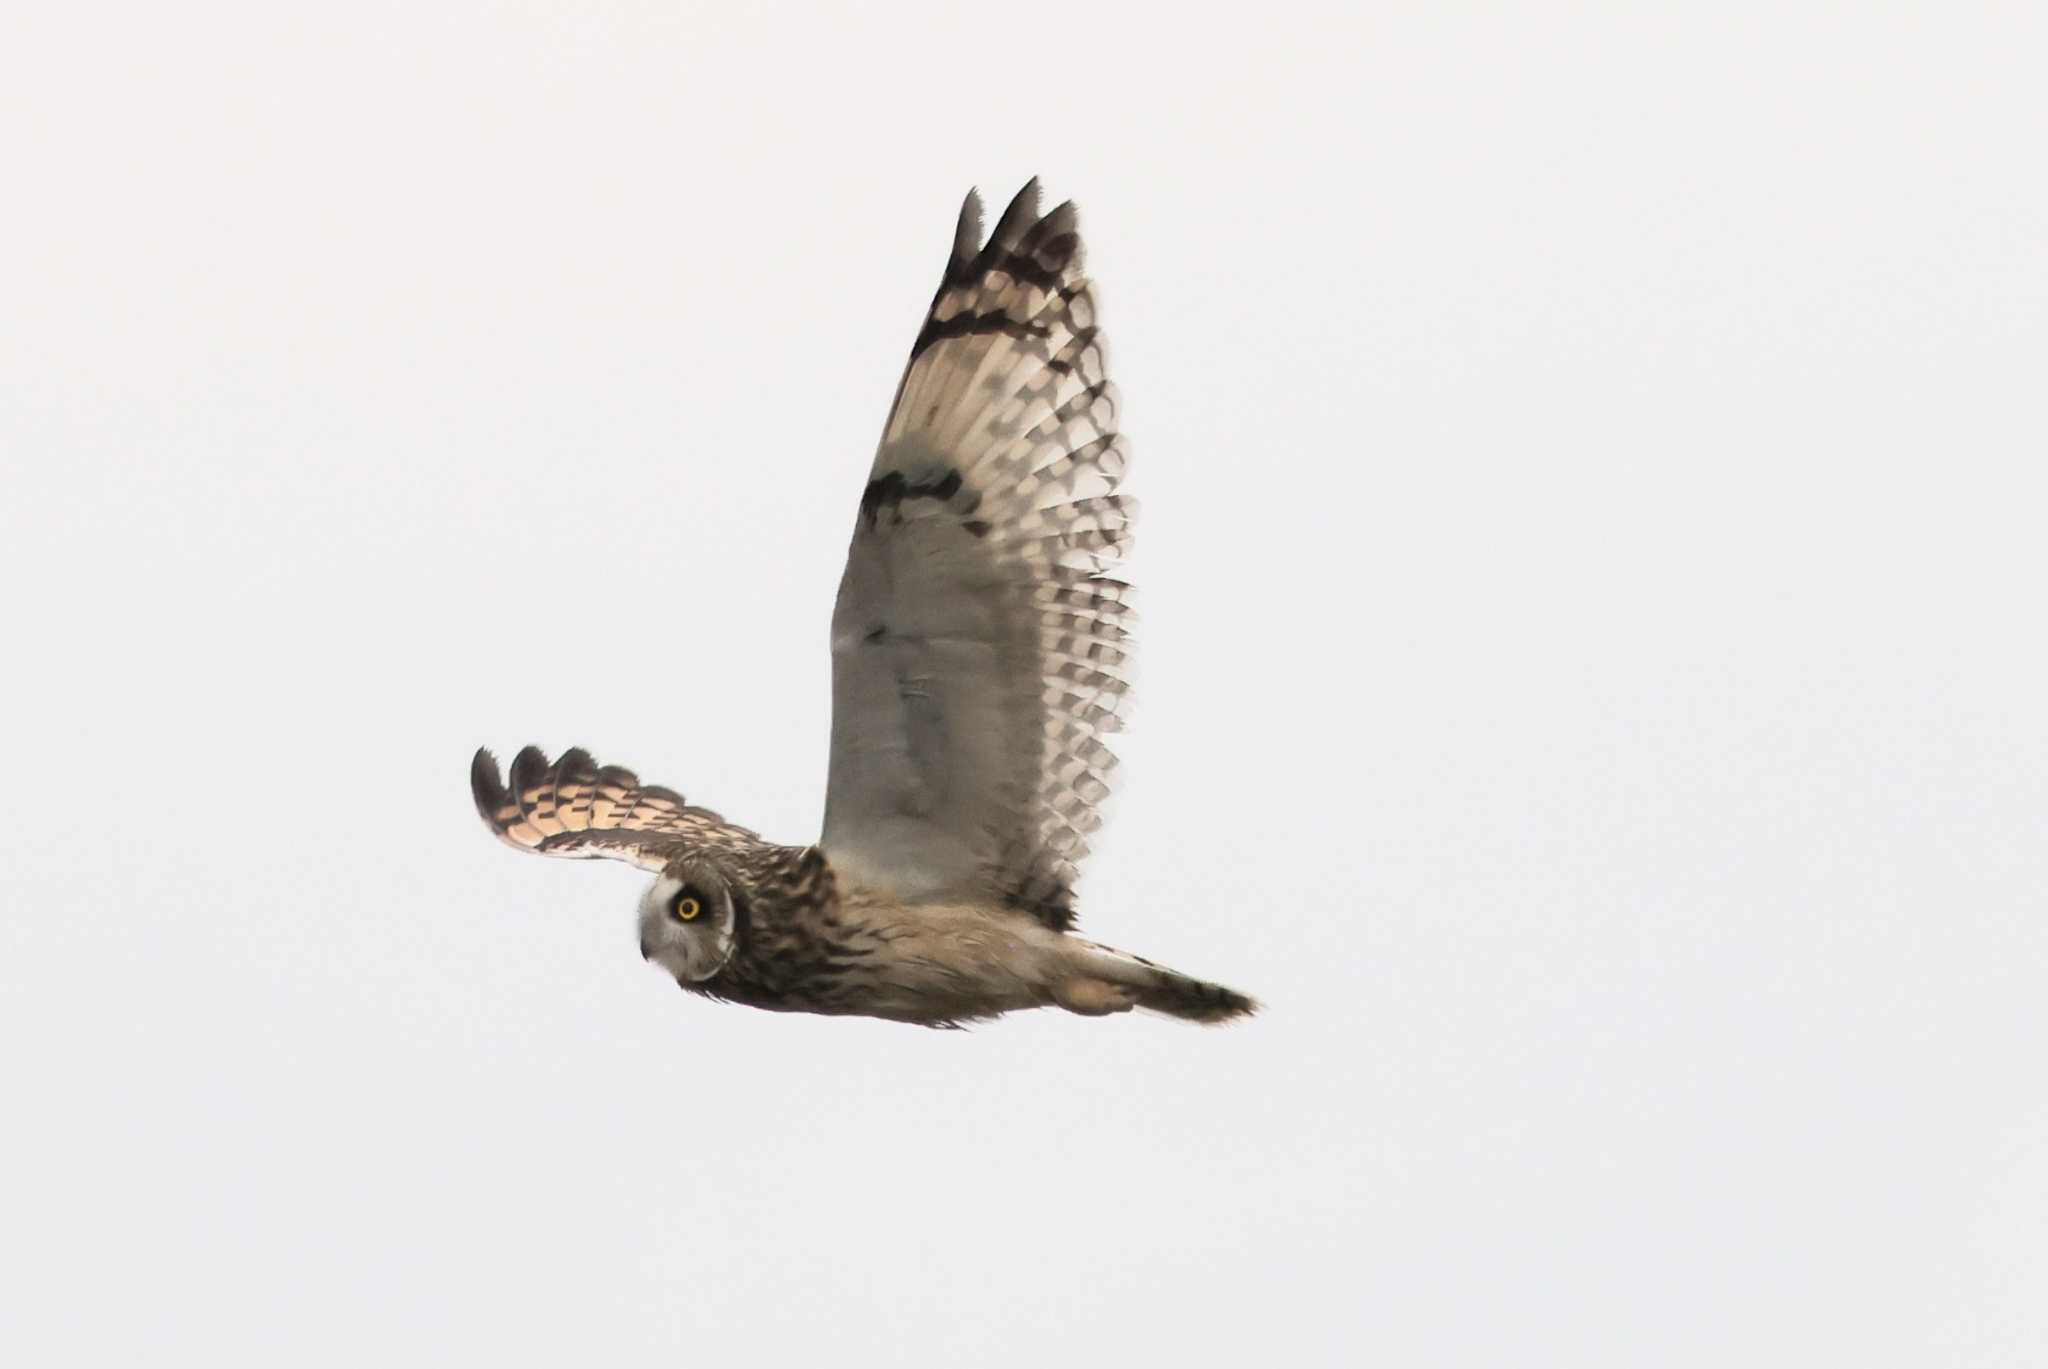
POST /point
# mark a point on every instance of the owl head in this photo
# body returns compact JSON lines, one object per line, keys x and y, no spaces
{"x":687,"y":922}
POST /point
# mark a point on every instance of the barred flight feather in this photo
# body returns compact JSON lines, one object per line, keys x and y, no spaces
{"x":980,"y":647}
{"x":576,"y":808}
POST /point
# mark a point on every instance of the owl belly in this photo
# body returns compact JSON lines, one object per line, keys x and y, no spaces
{"x":930,"y":963}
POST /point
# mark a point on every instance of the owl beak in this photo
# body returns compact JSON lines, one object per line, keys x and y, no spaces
{"x":646,"y":951}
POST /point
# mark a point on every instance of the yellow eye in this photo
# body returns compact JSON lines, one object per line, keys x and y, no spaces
{"x":687,"y":908}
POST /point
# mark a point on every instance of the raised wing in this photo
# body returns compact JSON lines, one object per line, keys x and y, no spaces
{"x":577,"y":808}
{"x":978,"y":643}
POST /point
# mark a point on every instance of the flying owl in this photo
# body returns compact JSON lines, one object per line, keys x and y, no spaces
{"x":978,"y":654}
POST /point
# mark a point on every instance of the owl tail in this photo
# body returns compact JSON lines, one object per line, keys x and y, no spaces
{"x":1159,"y":989}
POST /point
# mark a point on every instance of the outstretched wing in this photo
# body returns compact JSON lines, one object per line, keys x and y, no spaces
{"x":978,"y":643}
{"x":575,"y":807}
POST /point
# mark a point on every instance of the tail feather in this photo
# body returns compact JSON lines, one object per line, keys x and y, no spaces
{"x":1161,"y":990}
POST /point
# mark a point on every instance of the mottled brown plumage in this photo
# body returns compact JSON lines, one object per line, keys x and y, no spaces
{"x":979,"y":650}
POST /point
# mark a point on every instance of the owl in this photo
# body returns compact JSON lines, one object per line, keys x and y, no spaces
{"x":979,"y":651}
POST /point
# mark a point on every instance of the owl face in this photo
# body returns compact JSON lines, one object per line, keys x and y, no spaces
{"x":686,"y":922}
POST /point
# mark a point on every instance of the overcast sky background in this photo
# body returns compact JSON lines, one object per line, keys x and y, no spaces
{"x":1593,"y":683}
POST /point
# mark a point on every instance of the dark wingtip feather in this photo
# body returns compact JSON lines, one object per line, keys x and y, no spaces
{"x":527,"y":769}
{"x":1017,"y":219}
{"x":484,"y":785}
{"x":967,"y":233}
{"x":572,"y":767}
{"x":1063,"y":218}
{"x":1056,"y":238}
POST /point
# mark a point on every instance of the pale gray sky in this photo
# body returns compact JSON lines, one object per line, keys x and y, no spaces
{"x":1593,"y":689}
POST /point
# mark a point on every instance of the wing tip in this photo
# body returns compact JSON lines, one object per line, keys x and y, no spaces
{"x":1017,"y":219}
{"x":520,"y":807}
{"x":498,"y":805}
{"x":485,"y":787}
{"x":967,"y":232}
